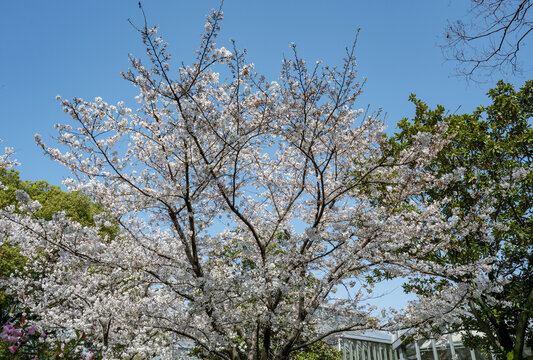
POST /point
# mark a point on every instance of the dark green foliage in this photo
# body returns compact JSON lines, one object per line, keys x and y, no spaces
{"x":317,"y":351}
{"x":494,"y":145}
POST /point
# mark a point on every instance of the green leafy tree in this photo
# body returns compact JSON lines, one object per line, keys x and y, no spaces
{"x":53,"y":200}
{"x":494,"y":146}
{"x":318,"y":351}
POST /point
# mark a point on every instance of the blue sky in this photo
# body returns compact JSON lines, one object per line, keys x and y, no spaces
{"x":78,"y":48}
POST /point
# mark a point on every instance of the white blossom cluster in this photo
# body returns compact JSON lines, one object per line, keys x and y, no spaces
{"x":458,"y":296}
{"x":241,"y":205}
{"x":6,"y":160}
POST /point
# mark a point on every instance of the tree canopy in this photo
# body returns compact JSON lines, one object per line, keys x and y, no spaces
{"x":243,"y":205}
{"x":494,"y":146}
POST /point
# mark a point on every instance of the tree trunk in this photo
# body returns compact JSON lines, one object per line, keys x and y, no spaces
{"x":521,"y":327}
{"x":266,"y":343}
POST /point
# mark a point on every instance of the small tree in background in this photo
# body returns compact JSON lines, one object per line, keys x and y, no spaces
{"x":52,"y":201}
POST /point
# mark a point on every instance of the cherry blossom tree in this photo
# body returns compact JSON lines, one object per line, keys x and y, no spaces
{"x":6,"y":160}
{"x":240,"y":206}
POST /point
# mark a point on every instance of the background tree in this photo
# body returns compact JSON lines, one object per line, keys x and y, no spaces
{"x":492,"y":37}
{"x":494,"y":146}
{"x":53,"y":200}
{"x":238,"y":206}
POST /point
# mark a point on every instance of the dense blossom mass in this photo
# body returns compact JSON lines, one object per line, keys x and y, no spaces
{"x":241,"y":206}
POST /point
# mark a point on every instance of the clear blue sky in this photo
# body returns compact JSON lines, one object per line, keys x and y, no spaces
{"x":78,"y":48}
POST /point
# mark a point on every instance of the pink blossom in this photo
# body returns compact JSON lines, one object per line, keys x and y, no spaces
{"x":13,"y":348}
{"x":31,"y":330}
{"x":9,"y":338}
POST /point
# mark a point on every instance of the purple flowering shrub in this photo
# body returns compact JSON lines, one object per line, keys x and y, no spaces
{"x":19,"y":340}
